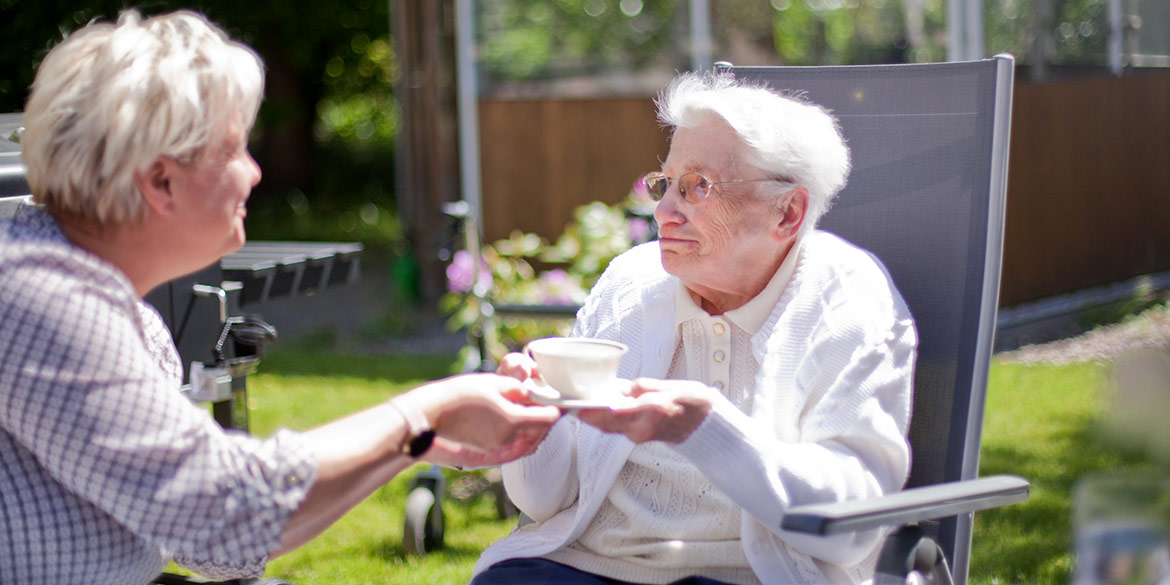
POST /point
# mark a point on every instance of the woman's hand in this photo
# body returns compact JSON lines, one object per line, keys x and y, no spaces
{"x":659,"y":410}
{"x":481,"y":419}
{"x":451,"y":454}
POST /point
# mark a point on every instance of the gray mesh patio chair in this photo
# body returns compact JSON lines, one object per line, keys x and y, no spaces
{"x":926,"y":195}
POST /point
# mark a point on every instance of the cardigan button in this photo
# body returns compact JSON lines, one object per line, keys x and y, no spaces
{"x":719,"y":356}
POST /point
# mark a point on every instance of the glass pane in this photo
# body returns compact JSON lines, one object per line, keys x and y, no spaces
{"x":529,"y":48}
{"x":829,"y":32}
{"x":1058,"y":32}
{"x":1151,"y":32}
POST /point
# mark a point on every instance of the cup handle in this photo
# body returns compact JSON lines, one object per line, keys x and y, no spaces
{"x":536,"y":380}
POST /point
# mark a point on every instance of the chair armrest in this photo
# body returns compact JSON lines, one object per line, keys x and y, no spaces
{"x":908,"y":506}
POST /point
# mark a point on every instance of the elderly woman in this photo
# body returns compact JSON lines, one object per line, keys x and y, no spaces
{"x":136,"y":148}
{"x":774,"y":364}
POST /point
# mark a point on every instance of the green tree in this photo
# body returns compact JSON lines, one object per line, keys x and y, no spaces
{"x":840,"y":32}
{"x":539,"y":39}
{"x":326,"y":129}
{"x":1078,"y":29}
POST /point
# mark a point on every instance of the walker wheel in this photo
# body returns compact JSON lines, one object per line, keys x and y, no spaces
{"x":423,"y":530}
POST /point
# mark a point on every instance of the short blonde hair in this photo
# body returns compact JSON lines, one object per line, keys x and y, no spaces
{"x":111,"y":98}
{"x":785,"y":135}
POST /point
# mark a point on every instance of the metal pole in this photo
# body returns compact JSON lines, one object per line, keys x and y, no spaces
{"x":965,"y":30}
{"x":1116,"y":38}
{"x":955,"y":16}
{"x":468,"y":108}
{"x":974,"y":21}
{"x":700,"y":36}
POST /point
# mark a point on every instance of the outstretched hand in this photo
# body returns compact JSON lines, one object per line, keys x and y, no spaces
{"x":659,"y":410}
{"x":481,"y":419}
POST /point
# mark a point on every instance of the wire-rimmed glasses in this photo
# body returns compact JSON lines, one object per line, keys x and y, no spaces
{"x":693,"y":186}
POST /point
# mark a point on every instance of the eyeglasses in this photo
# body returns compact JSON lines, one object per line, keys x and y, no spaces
{"x":693,"y":186}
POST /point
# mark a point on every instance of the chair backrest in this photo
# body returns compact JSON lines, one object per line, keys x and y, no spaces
{"x":927,"y":196}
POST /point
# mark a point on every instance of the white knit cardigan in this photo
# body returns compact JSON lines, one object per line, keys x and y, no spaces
{"x":829,"y":419}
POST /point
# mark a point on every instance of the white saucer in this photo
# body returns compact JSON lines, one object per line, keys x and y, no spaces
{"x":542,"y":394}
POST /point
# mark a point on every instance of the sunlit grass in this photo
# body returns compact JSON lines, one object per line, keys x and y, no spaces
{"x":1043,"y":423}
{"x":299,"y":389}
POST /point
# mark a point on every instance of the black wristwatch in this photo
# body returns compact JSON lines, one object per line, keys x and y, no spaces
{"x":419,"y":444}
{"x":420,"y":436}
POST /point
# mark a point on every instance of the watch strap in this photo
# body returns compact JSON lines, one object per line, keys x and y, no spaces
{"x":419,"y":434}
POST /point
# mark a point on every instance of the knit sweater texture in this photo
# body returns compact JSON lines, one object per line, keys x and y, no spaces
{"x":830,"y":413}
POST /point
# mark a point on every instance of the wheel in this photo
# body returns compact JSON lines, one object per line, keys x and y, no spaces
{"x":423,"y":530}
{"x":504,"y":506}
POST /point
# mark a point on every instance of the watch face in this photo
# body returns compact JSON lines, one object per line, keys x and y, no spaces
{"x":420,"y":444}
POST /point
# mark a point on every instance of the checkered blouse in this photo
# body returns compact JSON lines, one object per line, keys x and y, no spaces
{"x":107,"y":472}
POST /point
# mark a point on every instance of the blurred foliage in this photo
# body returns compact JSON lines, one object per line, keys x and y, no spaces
{"x":843,"y":32}
{"x":1080,"y":30}
{"x":524,"y":269}
{"x":534,"y":39}
{"x":329,"y":104}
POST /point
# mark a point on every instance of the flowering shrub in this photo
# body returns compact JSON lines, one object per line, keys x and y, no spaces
{"x":525,"y":270}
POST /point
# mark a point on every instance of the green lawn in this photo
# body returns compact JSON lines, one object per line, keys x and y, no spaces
{"x":1044,"y":423}
{"x":1041,"y":423}
{"x":297,"y":390}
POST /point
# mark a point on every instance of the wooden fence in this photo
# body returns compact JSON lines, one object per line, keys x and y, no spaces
{"x":1088,"y":187}
{"x":541,"y":159}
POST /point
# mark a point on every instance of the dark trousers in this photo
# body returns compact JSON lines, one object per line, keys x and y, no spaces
{"x":545,"y":572}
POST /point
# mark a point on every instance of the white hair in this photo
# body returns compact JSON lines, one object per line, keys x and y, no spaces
{"x":785,"y":135}
{"x":111,"y":98}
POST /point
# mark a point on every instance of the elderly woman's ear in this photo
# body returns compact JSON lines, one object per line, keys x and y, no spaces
{"x":792,"y":210}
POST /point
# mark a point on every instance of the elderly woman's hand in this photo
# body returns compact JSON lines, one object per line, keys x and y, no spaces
{"x":659,"y":410}
{"x":517,"y":365}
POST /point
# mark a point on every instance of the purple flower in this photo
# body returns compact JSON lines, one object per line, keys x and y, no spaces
{"x":461,"y":272}
{"x":639,"y":194}
{"x":639,"y":229}
{"x":558,"y":287}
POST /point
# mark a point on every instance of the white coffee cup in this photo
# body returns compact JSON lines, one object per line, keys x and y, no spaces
{"x":576,"y":367}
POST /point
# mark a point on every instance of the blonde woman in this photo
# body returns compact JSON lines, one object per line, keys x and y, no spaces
{"x":136,"y":144}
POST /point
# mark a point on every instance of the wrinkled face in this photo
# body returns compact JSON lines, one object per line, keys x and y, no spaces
{"x":214,"y":190}
{"x":712,"y":244}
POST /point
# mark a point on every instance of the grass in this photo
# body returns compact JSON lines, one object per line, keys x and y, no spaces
{"x":1046,"y":424}
{"x":1042,"y":422}
{"x":298,"y":389}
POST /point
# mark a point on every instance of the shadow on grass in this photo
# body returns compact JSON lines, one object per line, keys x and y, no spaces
{"x":391,"y":550}
{"x":1033,"y":541}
